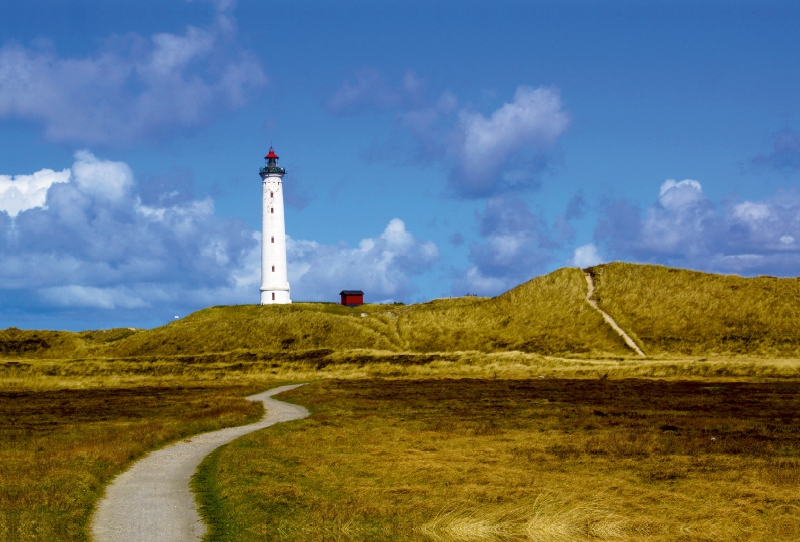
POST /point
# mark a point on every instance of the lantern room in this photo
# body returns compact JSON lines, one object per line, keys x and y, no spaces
{"x":271,"y":163}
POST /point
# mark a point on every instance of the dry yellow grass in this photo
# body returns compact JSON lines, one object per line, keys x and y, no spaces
{"x":667,"y":311}
{"x":676,"y":311}
{"x":493,"y":460}
{"x":53,"y":472}
{"x":238,"y":367}
{"x":547,"y":315}
{"x":558,"y":480}
{"x":58,"y":448}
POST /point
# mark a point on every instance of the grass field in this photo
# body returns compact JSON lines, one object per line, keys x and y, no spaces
{"x":543,"y":459}
{"x":260,"y":368}
{"x":520,"y":417}
{"x":58,"y":448}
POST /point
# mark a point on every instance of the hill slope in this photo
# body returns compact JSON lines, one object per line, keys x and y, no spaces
{"x":546,"y":315}
{"x":676,"y":311}
{"x":666,"y":311}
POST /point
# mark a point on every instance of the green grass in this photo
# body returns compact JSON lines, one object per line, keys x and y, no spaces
{"x":205,"y":485}
{"x":542,"y":459}
{"x":675,"y":311}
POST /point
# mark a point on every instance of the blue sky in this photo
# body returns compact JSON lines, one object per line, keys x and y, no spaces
{"x":432,"y":148}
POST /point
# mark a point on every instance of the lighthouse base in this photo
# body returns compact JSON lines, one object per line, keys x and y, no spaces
{"x":275,"y":297}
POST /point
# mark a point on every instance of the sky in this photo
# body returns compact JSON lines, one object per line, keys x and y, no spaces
{"x":432,"y":148}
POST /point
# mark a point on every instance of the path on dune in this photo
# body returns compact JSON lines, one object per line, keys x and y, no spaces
{"x":610,"y":321}
{"x":152,"y":502}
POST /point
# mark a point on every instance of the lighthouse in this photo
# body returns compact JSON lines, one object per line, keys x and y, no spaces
{"x":274,"y":282}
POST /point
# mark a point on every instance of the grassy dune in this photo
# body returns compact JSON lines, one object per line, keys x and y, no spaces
{"x":676,"y":311}
{"x":547,"y":315}
{"x":669,"y":312}
{"x":45,"y":344}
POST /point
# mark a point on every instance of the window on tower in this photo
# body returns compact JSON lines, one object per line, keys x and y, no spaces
{"x":271,"y":195}
{"x":273,"y":268}
{"x":273,"y":296}
{"x":272,"y":210}
{"x":272,"y":240}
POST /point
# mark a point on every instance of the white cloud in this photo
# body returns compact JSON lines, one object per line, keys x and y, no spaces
{"x":132,"y":87}
{"x":103,"y":179}
{"x":474,"y":282}
{"x":675,"y":195}
{"x":586,"y":256}
{"x":533,"y":120}
{"x":382,"y":266}
{"x":24,"y":192}
{"x":517,"y":244}
{"x":748,"y":211}
{"x":485,"y":156}
{"x":96,"y":245}
{"x":685,"y":229}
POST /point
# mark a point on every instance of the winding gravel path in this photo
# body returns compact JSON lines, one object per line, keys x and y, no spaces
{"x":152,"y":502}
{"x":610,"y":321}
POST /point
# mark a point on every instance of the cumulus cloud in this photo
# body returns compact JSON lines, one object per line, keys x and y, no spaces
{"x":586,"y":256}
{"x":488,"y":156}
{"x":785,"y":155}
{"x":507,"y":149}
{"x":516,"y":245}
{"x":684,"y":228}
{"x":88,"y":296}
{"x":97,"y":241}
{"x":132,"y":87}
{"x":382,"y":266}
{"x":94,"y":242}
{"x":24,"y":192}
{"x":484,"y":156}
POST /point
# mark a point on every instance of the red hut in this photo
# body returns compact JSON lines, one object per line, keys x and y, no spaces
{"x":352,"y":298}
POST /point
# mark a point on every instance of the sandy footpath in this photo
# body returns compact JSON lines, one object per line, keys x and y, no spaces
{"x":152,"y":502}
{"x":610,"y":321}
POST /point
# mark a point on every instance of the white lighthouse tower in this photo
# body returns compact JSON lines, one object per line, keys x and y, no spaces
{"x":274,"y":283}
